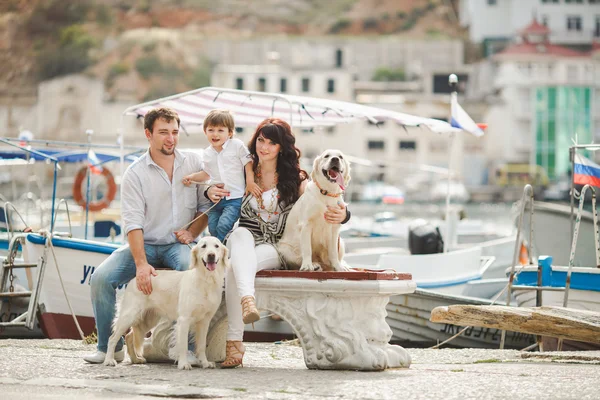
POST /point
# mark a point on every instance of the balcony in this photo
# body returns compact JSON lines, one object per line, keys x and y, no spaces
{"x":584,"y":36}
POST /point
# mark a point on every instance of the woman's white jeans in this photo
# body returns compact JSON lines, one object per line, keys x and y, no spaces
{"x":246,"y":260}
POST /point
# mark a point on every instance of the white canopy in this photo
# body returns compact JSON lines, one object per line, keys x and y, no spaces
{"x":250,"y":108}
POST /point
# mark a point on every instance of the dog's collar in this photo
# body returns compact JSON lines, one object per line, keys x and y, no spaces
{"x":325,"y":192}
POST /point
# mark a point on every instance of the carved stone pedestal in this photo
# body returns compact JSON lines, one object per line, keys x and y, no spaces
{"x":340,"y":323}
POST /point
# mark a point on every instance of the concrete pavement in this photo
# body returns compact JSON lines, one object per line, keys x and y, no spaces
{"x":54,"y":369}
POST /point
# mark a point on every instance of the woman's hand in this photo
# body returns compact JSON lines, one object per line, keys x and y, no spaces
{"x":254,"y":189}
{"x":217,"y":192}
{"x":336,"y":214}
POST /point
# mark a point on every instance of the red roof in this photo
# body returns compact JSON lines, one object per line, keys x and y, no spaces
{"x":541,"y":49}
{"x":535,"y":28}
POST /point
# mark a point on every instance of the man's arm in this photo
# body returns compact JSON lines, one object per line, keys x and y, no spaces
{"x":132,"y":211}
{"x":143,"y":270}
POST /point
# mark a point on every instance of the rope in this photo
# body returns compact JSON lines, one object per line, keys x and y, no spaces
{"x":48,"y":236}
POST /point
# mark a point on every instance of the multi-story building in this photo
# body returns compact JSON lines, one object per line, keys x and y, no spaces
{"x":541,"y":98}
{"x":494,"y":22}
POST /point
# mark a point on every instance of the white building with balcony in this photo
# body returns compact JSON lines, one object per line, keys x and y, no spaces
{"x":542,"y":97}
{"x":571,"y":22}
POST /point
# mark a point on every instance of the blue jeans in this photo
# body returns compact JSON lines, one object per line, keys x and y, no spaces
{"x":223,"y":216}
{"x":118,"y":269}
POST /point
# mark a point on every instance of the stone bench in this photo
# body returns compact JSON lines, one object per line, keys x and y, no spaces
{"x":339,"y":317}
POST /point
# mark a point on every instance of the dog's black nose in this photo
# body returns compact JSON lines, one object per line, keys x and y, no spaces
{"x":210,"y":258}
{"x":335,"y":160}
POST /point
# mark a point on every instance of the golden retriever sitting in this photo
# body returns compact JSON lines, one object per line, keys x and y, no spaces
{"x":309,"y":242}
{"x":190,"y":297}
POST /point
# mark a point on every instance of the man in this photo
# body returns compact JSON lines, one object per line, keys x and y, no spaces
{"x":156,"y":208}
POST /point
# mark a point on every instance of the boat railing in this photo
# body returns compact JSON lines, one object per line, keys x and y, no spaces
{"x":67,"y":234}
{"x":9,"y":226}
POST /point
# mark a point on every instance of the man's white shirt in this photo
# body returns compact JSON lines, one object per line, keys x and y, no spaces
{"x":149,"y":201}
{"x":228,"y":166}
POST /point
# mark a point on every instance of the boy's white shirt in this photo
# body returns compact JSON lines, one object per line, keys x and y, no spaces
{"x":227,"y":166}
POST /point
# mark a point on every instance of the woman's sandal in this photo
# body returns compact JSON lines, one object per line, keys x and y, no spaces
{"x":234,"y":354}
{"x":249,"y":311}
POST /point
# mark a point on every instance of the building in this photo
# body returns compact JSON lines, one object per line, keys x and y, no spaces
{"x":541,"y":98}
{"x":495,"y":22}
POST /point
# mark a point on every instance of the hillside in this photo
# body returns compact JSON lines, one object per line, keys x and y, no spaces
{"x":41,"y":39}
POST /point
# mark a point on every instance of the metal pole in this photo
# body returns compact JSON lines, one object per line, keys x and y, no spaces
{"x":572,"y":151}
{"x":89,"y":134}
{"x":452,"y":82}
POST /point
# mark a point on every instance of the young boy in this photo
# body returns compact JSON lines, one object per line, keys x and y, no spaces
{"x":227,"y":160}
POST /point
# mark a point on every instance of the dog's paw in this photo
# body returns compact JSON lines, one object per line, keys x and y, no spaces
{"x":341,"y":267}
{"x":110,"y":363}
{"x":138,"y":360}
{"x":206,"y":364}
{"x":310,"y":267}
{"x":184,"y":365}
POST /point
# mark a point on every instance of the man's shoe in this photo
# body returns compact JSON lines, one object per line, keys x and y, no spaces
{"x":99,"y":356}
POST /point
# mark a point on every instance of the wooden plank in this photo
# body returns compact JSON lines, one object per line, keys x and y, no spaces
{"x":565,"y":323}
{"x":356,"y":275}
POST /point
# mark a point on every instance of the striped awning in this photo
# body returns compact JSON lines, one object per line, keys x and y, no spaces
{"x":250,"y":108}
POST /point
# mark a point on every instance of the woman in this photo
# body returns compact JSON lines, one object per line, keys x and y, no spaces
{"x":277,"y":172}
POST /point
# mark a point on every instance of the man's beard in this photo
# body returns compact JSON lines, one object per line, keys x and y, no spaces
{"x":167,"y":152}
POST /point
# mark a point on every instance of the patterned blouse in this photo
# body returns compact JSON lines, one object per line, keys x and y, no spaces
{"x":264,"y":232}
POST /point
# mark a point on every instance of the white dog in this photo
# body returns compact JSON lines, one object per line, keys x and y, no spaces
{"x":309,"y":242}
{"x":190,"y":297}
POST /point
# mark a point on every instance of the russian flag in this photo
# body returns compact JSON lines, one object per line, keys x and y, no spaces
{"x":461,"y":120}
{"x":586,"y":171}
{"x":94,"y":163}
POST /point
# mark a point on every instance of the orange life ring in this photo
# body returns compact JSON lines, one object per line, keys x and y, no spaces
{"x":95,"y":205}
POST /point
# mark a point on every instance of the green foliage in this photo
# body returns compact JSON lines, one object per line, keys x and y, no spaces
{"x":116,"y":70}
{"x":149,"y":47}
{"x":401,"y":14}
{"x":200,"y":77}
{"x":104,"y":15}
{"x":384,"y":74}
{"x":162,"y":89}
{"x":69,"y":57}
{"x":339,"y":25}
{"x":148,"y":65}
{"x":48,"y":17}
{"x":60,"y":61}
{"x":370,"y":23}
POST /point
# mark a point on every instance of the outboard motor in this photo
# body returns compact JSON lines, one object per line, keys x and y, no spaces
{"x":424,"y":238}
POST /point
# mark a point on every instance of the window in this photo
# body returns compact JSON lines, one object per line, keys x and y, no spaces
{"x":262,"y":85}
{"x":574,"y":1}
{"x":330,"y":86}
{"x":330,"y":129}
{"x":305,"y":85}
{"x":376,"y":144}
{"x":339,"y":58}
{"x":545,"y":20}
{"x":574,"y":23}
{"x":283,"y":85}
{"x":408,"y":145}
{"x":239,"y":129}
{"x":550,"y":1}
{"x":239,"y":83}
{"x":491,"y":2}
{"x":597,"y":26}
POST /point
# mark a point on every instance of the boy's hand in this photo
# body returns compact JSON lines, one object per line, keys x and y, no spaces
{"x":187,"y":180}
{"x":254,"y":189}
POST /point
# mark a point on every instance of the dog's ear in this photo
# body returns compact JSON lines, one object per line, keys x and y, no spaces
{"x":347,"y":173}
{"x":193,"y":258}
{"x":313,"y":174}
{"x":226,"y":260}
